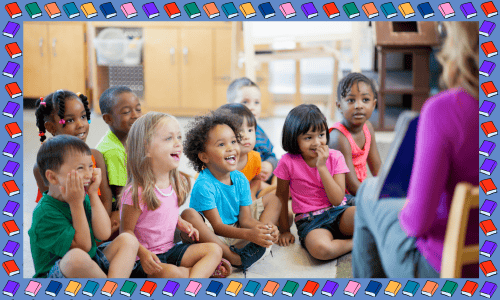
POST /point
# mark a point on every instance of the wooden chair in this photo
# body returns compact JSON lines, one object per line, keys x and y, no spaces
{"x":455,"y":253}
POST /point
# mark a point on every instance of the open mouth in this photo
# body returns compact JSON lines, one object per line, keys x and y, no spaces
{"x":231,"y":159}
{"x":81,"y":135}
{"x":176,"y":156}
{"x":86,"y":187}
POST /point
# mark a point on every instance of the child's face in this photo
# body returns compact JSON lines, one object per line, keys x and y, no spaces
{"x":75,"y":116}
{"x":126,"y":110}
{"x":310,"y":141}
{"x":221,"y":149}
{"x":357,"y":107}
{"x":247,"y":138}
{"x":250,"y":97}
{"x":165,"y":148}
{"x":74,"y":160}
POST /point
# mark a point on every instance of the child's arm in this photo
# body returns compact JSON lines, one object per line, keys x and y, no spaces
{"x":188,"y":228}
{"x":106,"y":195}
{"x":373,"y":160}
{"x":339,"y":142}
{"x":39,"y":181}
{"x":334,"y":186}
{"x":101,"y":223}
{"x":116,"y":191}
{"x":255,"y":185}
{"x":282,"y":192}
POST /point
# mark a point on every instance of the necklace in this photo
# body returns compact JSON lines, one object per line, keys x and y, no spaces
{"x":163,"y":194}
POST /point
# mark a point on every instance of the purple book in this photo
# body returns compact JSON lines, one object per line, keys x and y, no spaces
{"x":10,"y":288}
{"x":11,"y":109}
{"x":151,"y":10}
{"x":170,"y":288}
{"x":11,"y":69}
{"x":11,"y":149}
{"x":11,"y":29}
{"x":11,"y":168}
{"x":11,"y":248}
{"x":488,"y":248}
{"x":309,"y":10}
{"x":488,"y":207}
{"x":468,"y":10}
{"x":10,"y":208}
{"x":486,"y":28}
{"x":487,"y":68}
{"x":329,"y":288}
{"x":488,"y":289}
{"x":487,"y":148}
{"x":487,"y":108}
{"x":488,"y":167}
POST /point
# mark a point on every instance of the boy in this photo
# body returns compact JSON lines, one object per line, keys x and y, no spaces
{"x":67,"y":220}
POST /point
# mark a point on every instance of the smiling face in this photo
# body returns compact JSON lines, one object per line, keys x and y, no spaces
{"x":250,"y":97}
{"x":221,"y":150}
{"x":73,"y":160}
{"x":165,"y":148}
{"x":247,"y":137}
{"x":124,"y":113}
{"x":310,"y":141}
{"x":358,"y":105}
{"x":75,"y":117}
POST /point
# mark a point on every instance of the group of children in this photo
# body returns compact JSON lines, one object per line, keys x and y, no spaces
{"x":113,"y":211}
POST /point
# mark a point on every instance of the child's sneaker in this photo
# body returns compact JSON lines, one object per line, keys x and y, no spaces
{"x":249,"y":255}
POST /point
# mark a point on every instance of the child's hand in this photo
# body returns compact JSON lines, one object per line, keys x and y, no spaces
{"x":261,"y":235}
{"x":95,"y":182}
{"x":323,"y":153}
{"x":150,"y":263}
{"x":74,"y":191}
{"x":286,"y":239}
{"x":266,"y":170}
{"x":274,"y":231}
{"x":188,"y":228}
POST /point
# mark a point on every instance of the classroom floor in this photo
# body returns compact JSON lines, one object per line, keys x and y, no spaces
{"x":292,"y":261}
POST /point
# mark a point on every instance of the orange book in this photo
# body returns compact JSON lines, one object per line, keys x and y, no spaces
{"x":488,"y":227}
{"x":489,"y":129}
{"x":407,"y":10}
{"x":270,"y":288}
{"x":52,"y":10}
{"x":11,"y":187}
{"x":10,"y":227}
{"x":211,"y":10}
{"x":109,"y":288}
{"x":89,"y":10}
{"x":488,"y":268}
{"x":10,"y":267}
{"x":429,"y":288}
{"x":370,"y":10}
{"x":488,"y":186}
{"x":247,"y":10}
{"x":489,"y":49}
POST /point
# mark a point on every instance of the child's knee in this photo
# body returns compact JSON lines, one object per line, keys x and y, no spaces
{"x":75,"y":260}
{"x":214,"y":249}
{"x":190,"y":214}
{"x":127,"y":239}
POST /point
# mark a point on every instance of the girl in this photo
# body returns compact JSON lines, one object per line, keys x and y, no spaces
{"x":149,"y":205}
{"x":354,"y":135}
{"x":314,"y":175}
{"x":64,"y":112}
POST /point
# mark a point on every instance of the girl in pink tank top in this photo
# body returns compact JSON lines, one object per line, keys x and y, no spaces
{"x":352,"y":136}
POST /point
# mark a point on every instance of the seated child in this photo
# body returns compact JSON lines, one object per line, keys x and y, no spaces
{"x":354,"y":135}
{"x":120,"y":107}
{"x":150,"y":204}
{"x":314,"y":176}
{"x":70,"y":217}
{"x":221,"y":194}
{"x":246,"y":92}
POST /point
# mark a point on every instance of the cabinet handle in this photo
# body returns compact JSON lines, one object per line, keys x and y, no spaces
{"x":54,"y":47}
{"x":172,"y":56}
{"x":40,"y":44}
{"x":185,"y":52}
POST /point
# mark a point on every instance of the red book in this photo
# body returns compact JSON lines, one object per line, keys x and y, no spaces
{"x":172,"y":10}
{"x":489,"y":9}
{"x":10,"y":267}
{"x":148,"y":288}
{"x":489,"y":49}
{"x":13,"y":90}
{"x":488,"y":268}
{"x":331,"y":10}
{"x":469,"y":288}
{"x":13,"y":10}
{"x":489,"y":89}
{"x":13,"y":50}
{"x":488,"y":186}
{"x":11,"y":187}
{"x":488,"y":227}
{"x":13,"y":130}
{"x":310,"y":288}
{"x":489,"y":129}
{"x":10,"y":227}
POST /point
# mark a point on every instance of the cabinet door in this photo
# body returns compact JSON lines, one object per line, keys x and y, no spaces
{"x":36,"y":60}
{"x":67,"y":56}
{"x":161,"y":68}
{"x":197,"y":79}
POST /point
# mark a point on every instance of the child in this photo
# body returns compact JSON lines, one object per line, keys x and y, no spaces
{"x":151,"y":199}
{"x":70,"y":216}
{"x":120,"y":107}
{"x":314,"y":175}
{"x":222,"y":194}
{"x":64,"y":112}
{"x":246,"y":92}
{"x":354,"y":136}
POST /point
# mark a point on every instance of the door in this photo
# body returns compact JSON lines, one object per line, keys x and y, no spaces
{"x":36,"y":60}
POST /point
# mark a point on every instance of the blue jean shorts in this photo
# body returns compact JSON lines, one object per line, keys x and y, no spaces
{"x":173,"y":256}
{"x":328,"y":220}
{"x":99,"y":258}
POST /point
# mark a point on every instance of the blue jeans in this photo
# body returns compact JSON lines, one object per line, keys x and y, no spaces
{"x":380,"y":247}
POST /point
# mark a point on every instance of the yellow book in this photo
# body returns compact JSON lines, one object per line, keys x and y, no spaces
{"x":233,"y":288}
{"x":72,"y":288}
{"x":392,"y":288}
{"x":247,"y":10}
{"x":407,"y":10}
{"x":89,"y":10}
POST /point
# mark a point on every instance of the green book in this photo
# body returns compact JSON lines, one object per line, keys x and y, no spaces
{"x":128,"y":288}
{"x":449,"y":288}
{"x":351,"y":10}
{"x":33,"y":10}
{"x":290,"y":288}
{"x":192,"y":10}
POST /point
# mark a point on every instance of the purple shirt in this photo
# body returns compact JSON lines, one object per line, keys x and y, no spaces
{"x":445,"y":154}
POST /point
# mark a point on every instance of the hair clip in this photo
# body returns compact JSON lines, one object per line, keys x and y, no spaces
{"x":42,"y":102}
{"x":62,"y":121}
{"x":41,"y":133}
{"x":89,"y":121}
{"x":78,"y":94}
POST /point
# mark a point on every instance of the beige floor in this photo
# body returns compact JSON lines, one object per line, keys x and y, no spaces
{"x":285,"y":262}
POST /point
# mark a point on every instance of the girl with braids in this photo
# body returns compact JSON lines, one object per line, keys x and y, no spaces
{"x":64,"y":112}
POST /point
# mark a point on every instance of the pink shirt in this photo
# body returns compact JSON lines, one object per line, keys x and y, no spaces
{"x":306,"y":188}
{"x":155,"y":228}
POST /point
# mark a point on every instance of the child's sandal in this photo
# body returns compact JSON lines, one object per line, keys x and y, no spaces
{"x":218,"y":273}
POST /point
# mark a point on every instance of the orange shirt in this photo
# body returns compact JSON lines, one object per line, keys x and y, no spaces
{"x":252,"y":168}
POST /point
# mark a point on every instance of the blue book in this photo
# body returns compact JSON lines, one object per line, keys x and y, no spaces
{"x":488,"y":166}
{"x":388,"y":10}
{"x":488,"y":248}
{"x":425,"y":10}
{"x":229,"y":10}
{"x":411,"y":288}
{"x":488,"y":207}
{"x":11,"y":168}
{"x":71,"y":10}
{"x":487,"y":108}
{"x":214,"y":288}
{"x":53,"y":288}
{"x":487,"y":68}
{"x":373,"y":288}
{"x":11,"y":149}
{"x":10,"y":208}
{"x":90,"y":288}
{"x":486,"y":148}
{"x":486,"y":28}
{"x":11,"y":109}
{"x":252,"y":288}
{"x":11,"y":248}
{"x":108,"y":10}
{"x":267,"y":10}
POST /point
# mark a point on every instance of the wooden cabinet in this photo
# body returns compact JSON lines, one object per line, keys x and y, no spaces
{"x":54,"y":57}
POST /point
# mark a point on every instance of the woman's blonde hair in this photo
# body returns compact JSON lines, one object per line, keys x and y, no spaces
{"x":460,"y":56}
{"x":139,"y":168}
